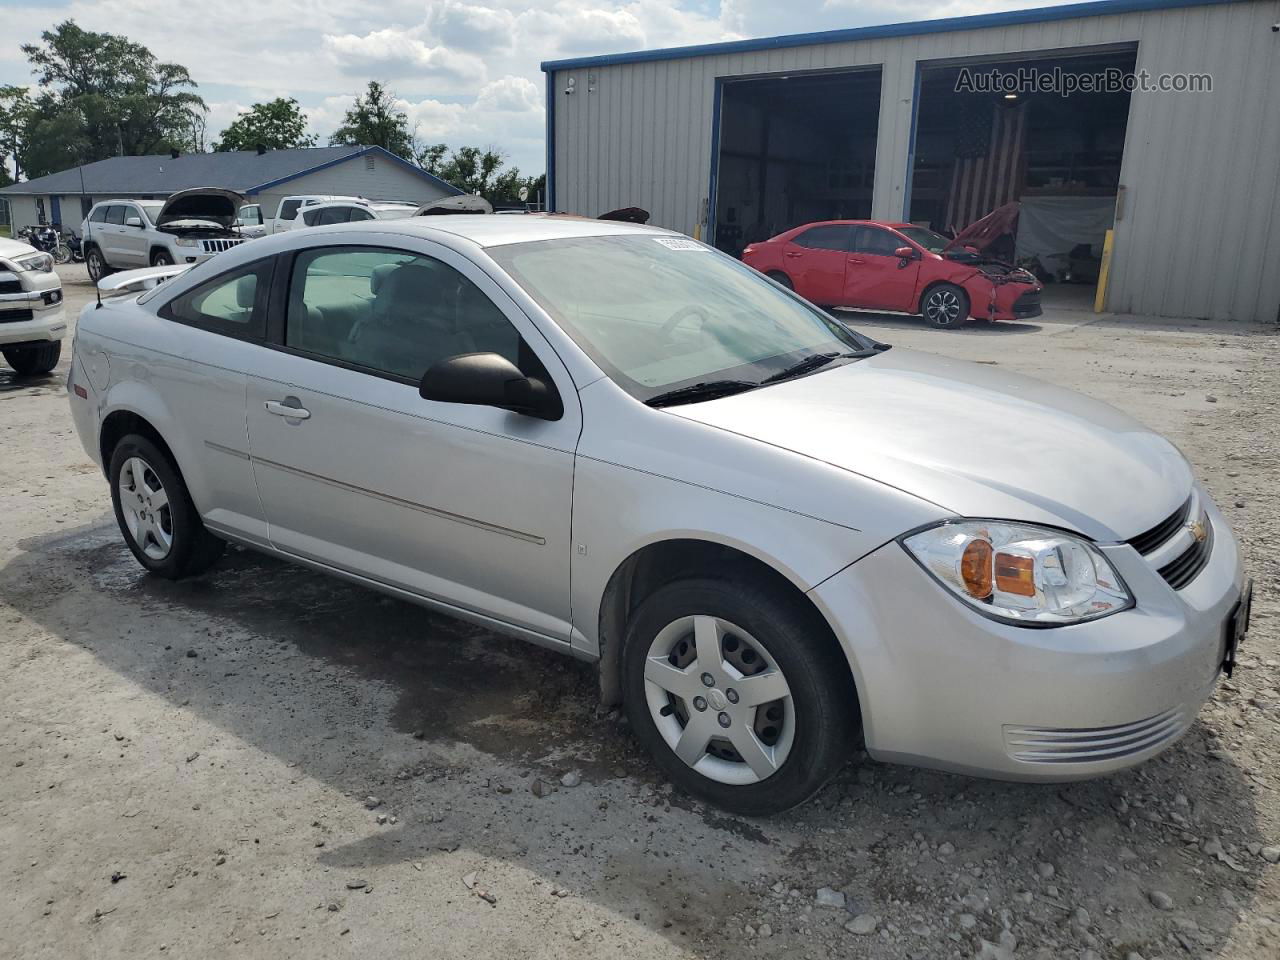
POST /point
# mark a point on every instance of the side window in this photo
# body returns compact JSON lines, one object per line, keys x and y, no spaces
{"x":358,"y":214}
{"x":333,"y":215}
{"x":250,"y":215}
{"x":877,"y":242}
{"x":829,"y":237}
{"x":392,"y":312}
{"x":289,"y":208}
{"x":99,"y":215}
{"x":234,"y":303}
{"x":115,"y":214}
{"x":311,"y":217}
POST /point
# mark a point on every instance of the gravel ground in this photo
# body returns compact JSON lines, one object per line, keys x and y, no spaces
{"x":264,"y":762}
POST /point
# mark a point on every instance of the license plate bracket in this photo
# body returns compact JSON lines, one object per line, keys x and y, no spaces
{"x":1237,"y":627}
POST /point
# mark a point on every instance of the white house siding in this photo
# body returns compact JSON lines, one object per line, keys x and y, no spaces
{"x":1199,"y":233}
{"x":387,"y":180}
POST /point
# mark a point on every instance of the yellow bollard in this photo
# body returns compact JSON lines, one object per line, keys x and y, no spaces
{"x":1104,"y":272}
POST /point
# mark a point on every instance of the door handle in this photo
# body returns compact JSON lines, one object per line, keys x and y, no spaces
{"x":792,"y":253}
{"x":289,"y":407}
{"x":856,"y":260}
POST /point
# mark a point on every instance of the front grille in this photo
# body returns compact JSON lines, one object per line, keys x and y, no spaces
{"x":1187,"y":566}
{"x":1092,"y":744}
{"x":10,"y":286}
{"x":15,"y":316}
{"x":1163,"y":531}
{"x":219,"y":246}
{"x":1027,"y":305}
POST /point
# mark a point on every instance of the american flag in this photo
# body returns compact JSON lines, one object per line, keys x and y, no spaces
{"x":990,"y":145}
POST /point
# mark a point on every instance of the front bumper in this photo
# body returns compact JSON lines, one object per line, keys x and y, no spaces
{"x":1011,"y":301}
{"x":942,"y":686}
{"x":32,"y":316}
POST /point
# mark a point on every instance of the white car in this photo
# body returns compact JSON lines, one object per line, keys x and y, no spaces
{"x":190,"y":226}
{"x":286,"y":212}
{"x":349,"y":211}
{"x":777,"y":537}
{"x":31,"y":319}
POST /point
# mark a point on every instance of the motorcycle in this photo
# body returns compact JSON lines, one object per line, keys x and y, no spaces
{"x":47,"y":239}
{"x":74,"y":247}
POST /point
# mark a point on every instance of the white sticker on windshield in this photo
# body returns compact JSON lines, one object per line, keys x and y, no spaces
{"x":679,"y":243}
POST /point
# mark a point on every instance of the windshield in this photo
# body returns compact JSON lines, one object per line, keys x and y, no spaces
{"x":151,"y":209}
{"x":659,"y":313}
{"x":933,"y":242}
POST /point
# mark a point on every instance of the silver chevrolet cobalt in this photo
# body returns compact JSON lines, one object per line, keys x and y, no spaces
{"x":777,"y":537}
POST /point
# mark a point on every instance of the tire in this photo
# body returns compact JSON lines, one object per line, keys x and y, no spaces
{"x":797,"y":741}
{"x":162,"y":258}
{"x":96,"y":264}
{"x":62,"y":253}
{"x":168,"y":538}
{"x":33,"y":361}
{"x":781,"y":278}
{"x":945,"y":306}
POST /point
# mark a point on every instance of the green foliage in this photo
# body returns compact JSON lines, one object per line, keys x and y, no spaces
{"x":473,"y":170}
{"x":278,"y":124}
{"x":101,"y":95}
{"x":374,"y":120}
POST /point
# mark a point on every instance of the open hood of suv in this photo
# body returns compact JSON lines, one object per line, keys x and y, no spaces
{"x":201,"y":206}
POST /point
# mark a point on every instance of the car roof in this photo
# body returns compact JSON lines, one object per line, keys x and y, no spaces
{"x":487,"y":230}
{"x":893,"y":224}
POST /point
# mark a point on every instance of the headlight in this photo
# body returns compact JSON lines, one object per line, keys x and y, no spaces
{"x":1020,"y":573}
{"x":185,"y":241}
{"x":36,"y":262}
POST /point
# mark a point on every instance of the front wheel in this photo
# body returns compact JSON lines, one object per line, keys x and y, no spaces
{"x":739,"y":693}
{"x":96,"y":264}
{"x":161,"y":258}
{"x":946,"y":306}
{"x":62,"y":253}
{"x":781,"y":278}
{"x":33,"y":361}
{"x":154,"y":510}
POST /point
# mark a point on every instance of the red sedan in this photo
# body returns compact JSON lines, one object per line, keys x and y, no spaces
{"x":896,"y":267}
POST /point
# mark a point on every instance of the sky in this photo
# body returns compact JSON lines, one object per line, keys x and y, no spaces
{"x":466,"y":73}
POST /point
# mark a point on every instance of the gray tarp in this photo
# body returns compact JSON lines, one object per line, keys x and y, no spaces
{"x":1049,"y":227}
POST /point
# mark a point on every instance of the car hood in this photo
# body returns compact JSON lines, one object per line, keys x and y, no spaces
{"x":972,"y":439}
{"x":10,"y":249}
{"x":200,"y":207}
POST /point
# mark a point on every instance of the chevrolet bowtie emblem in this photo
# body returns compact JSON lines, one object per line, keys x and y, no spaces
{"x":1198,"y":531}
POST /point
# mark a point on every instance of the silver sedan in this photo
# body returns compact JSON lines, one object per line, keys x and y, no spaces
{"x":778,"y":538}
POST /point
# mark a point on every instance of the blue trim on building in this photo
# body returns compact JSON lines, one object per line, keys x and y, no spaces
{"x":715,"y":162}
{"x":1072,"y":11}
{"x":551,"y":143}
{"x":449,"y":188}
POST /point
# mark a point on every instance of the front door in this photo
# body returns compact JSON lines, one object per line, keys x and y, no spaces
{"x":815,"y":261}
{"x":876,"y":278}
{"x":466,"y":505}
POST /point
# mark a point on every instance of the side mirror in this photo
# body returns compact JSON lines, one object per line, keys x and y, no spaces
{"x":490,"y":380}
{"x":905,"y":253}
{"x":133,"y":222}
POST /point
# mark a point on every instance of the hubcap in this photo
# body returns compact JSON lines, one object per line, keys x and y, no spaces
{"x":145,"y":506}
{"x":943,"y":308}
{"x":740,"y":727}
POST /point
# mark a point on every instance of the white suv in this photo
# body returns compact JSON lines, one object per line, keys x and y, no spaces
{"x":31,"y":320}
{"x":190,"y":226}
{"x":349,"y":211}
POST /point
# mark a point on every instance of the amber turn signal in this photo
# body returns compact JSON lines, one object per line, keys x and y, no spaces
{"x":1015,"y":575}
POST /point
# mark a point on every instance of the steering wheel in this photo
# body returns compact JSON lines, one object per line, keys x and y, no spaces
{"x":693,"y":310}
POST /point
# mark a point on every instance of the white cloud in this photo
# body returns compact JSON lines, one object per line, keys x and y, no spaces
{"x":466,"y":71}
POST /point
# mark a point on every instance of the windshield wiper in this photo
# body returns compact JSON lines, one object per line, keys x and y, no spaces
{"x":709,"y":390}
{"x":817,"y":360}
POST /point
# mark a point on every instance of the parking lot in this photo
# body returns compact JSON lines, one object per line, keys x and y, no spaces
{"x":265,"y":762}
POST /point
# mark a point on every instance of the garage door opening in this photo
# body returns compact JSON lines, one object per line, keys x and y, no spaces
{"x":794,"y":149}
{"x":1058,"y":156}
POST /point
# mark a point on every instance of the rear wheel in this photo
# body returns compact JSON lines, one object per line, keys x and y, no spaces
{"x":154,"y":510}
{"x":33,"y":361}
{"x":62,"y":253}
{"x":162,"y":258}
{"x":781,"y":278}
{"x":945,"y":306}
{"x":739,"y":694}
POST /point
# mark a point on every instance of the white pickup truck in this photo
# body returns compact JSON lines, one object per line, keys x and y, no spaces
{"x":31,"y":320}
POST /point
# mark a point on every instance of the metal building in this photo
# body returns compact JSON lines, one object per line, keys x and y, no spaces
{"x":1189,"y":179}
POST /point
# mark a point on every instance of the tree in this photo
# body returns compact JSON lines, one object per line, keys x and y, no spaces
{"x":105,"y":95}
{"x":278,"y":124}
{"x":473,"y":170}
{"x":17,"y":116}
{"x":374,"y":120}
